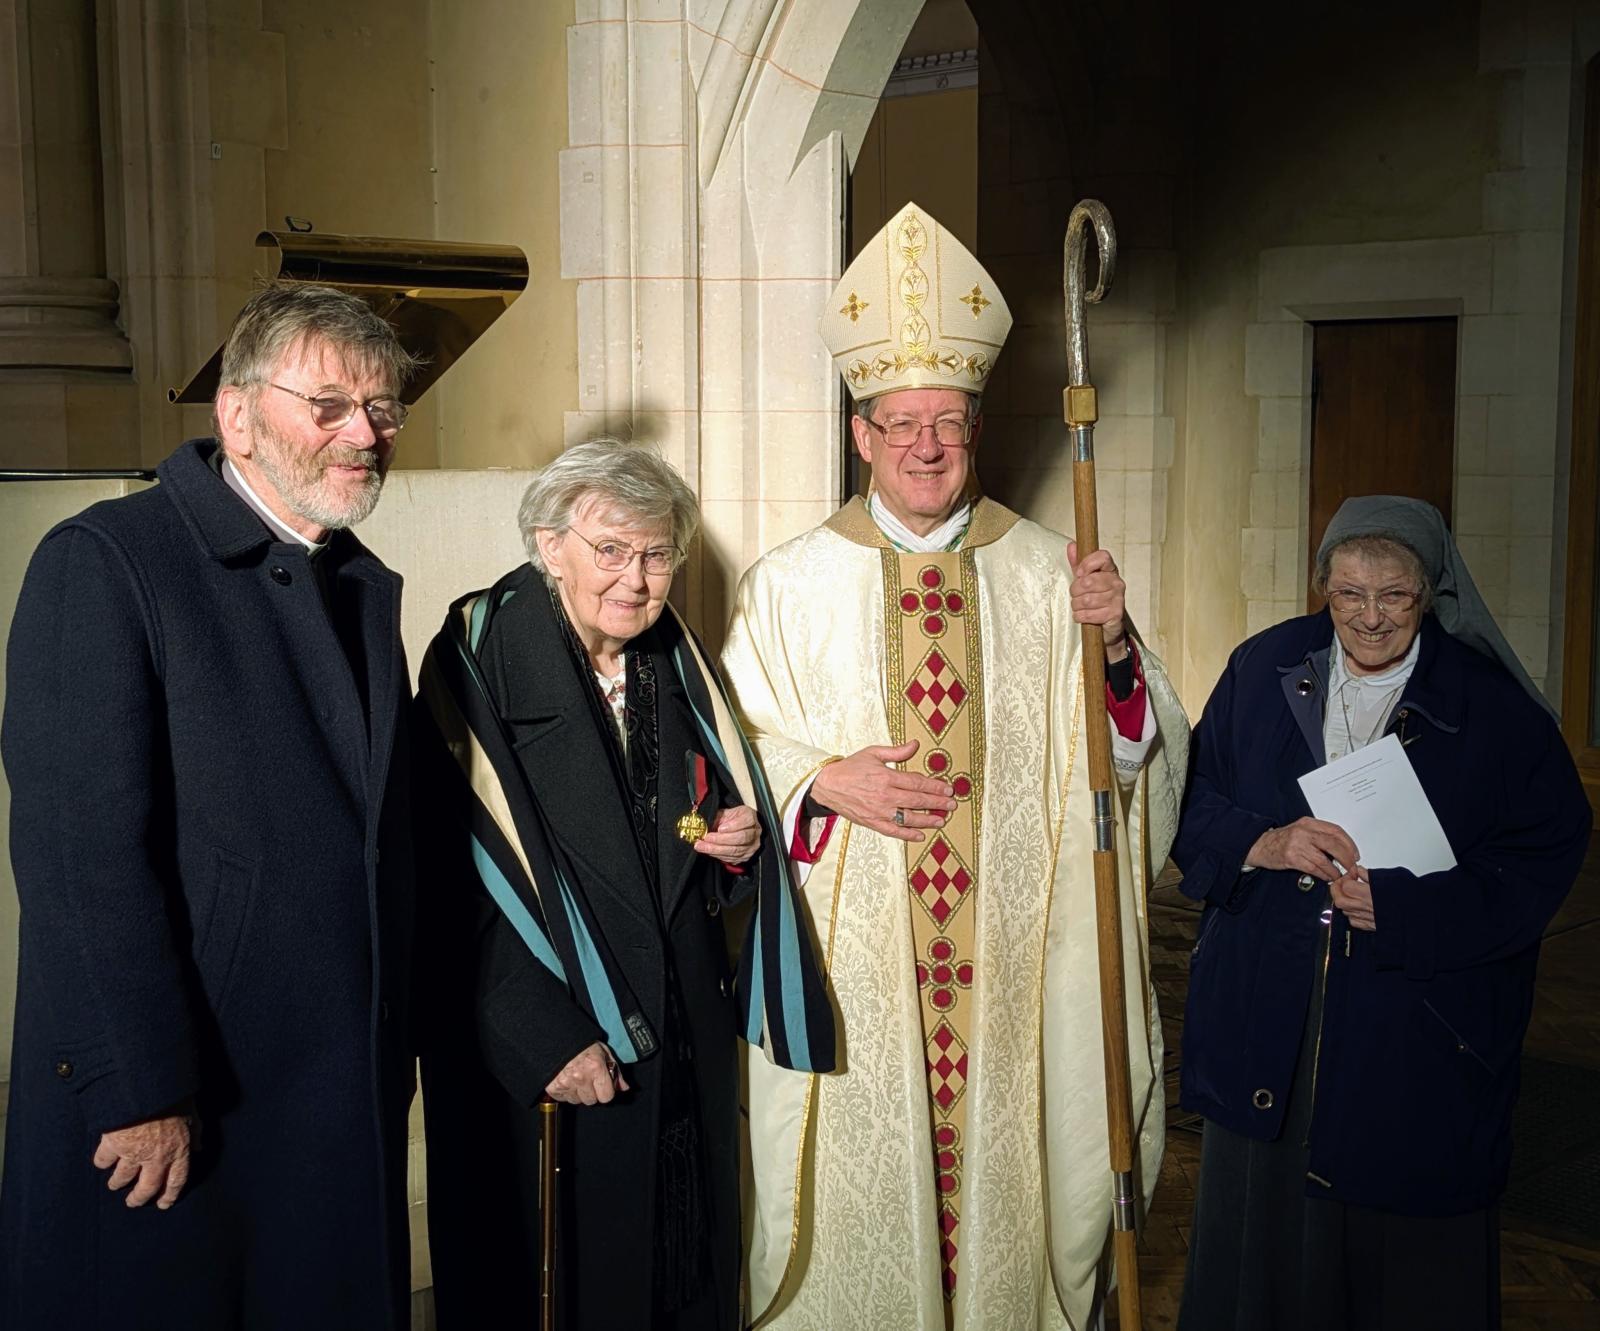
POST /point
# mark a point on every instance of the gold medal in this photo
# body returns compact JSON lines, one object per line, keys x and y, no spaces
{"x":692,"y":826}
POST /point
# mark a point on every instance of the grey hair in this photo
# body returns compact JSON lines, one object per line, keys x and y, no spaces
{"x":867,"y":410}
{"x":630,"y":483}
{"x":1373,"y":548}
{"x":283,"y":316}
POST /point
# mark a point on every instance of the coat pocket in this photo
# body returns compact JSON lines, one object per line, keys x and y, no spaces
{"x":1452,"y":1029}
{"x":533,"y":729}
{"x":216,"y":943}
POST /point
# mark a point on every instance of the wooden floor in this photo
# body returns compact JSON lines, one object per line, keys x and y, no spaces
{"x":1550,"y":1280}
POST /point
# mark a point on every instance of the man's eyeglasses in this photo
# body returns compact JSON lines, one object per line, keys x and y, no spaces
{"x":1348,"y":601}
{"x":613,"y":556}
{"x":334,"y":410}
{"x":904,"y":431}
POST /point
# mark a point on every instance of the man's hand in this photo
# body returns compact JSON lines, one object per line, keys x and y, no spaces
{"x":734,"y":837}
{"x":591,"y":1078}
{"x":155,"y":1153}
{"x":1353,"y":895}
{"x":1099,"y":596}
{"x":1308,"y":845}
{"x":866,"y":790}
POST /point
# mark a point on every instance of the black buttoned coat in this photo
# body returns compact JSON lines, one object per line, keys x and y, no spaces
{"x":210,"y":835}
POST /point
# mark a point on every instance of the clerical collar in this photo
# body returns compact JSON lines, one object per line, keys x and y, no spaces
{"x":946,"y":536}
{"x":241,"y":487}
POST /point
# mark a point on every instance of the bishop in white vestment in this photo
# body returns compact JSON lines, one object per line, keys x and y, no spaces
{"x":909,"y":675}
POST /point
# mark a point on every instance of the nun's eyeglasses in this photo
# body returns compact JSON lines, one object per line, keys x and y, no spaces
{"x":1349,"y":601}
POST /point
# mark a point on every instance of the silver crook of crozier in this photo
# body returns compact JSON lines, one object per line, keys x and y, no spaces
{"x":1089,"y":213}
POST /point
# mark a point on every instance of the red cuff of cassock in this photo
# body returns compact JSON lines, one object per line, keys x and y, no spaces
{"x":1127,"y":714}
{"x":801,"y":853}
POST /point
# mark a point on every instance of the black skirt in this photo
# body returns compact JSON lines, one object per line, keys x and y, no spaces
{"x":1265,"y":1256}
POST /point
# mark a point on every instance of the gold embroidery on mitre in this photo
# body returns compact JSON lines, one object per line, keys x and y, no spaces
{"x":892,"y":364}
{"x":914,"y":332}
{"x":916,"y":278}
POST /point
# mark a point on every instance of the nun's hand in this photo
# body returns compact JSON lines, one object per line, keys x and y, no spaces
{"x":1307,"y":845}
{"x":734,"y":837}
{"x":1353,"y":895}
{"x":591,"y":1078}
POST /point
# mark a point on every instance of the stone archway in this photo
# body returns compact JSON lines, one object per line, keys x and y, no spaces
{"x":701,"y":213}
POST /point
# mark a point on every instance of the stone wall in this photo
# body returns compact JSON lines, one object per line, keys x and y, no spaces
{"x":1441,"y":181}
{"x":1059,"y":120}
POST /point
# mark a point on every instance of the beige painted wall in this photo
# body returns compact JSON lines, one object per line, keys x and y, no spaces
{"x":924,"y":148}
{"x":27,"y":512}
{"x":500,"y":122}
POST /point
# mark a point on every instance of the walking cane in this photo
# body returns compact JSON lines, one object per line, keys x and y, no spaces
{"x":1081,"y":413}
{"x":549,"y":1134}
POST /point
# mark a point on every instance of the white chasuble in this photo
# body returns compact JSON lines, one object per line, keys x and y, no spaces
{"x":961,"y":1149}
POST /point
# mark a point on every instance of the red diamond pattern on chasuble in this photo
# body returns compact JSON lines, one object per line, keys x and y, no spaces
{"x":936,"y":692}
{"x":935,"y":669}
{"x":947,"y":1067}
{"x":941,"y":880}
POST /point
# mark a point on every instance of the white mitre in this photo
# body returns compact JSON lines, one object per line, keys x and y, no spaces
{"x":915,"y":310}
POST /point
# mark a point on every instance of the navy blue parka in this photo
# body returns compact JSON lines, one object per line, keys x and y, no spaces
{"x":1423,"y":1020}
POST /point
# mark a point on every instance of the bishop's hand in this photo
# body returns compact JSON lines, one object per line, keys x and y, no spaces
{"x":1100,"y":596}
{"x":868,"y":790}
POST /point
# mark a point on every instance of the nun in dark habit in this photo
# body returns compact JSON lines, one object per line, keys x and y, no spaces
{"x":1353,"y":1031}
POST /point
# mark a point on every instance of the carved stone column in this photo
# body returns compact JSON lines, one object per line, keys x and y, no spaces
{"x":702,"y":202}
{"x":57,"y":306}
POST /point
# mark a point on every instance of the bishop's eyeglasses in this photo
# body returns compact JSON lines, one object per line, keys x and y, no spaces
{"x":904,"y":431}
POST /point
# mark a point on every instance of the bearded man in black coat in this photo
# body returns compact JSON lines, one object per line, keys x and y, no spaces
{"x":210,"y":834}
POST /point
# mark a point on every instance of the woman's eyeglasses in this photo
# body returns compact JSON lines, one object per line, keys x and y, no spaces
{"x":613,"y":556}
{"x":1349,"y":601}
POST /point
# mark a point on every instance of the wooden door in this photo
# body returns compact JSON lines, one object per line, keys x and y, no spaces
{"x":1383,"y":412}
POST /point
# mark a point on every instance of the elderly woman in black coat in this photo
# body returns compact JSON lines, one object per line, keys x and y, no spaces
{"x":1353,"y":1030}
{"x":593,"y":809}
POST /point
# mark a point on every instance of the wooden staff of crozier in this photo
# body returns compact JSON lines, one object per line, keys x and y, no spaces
{"x":1081,"y":412}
